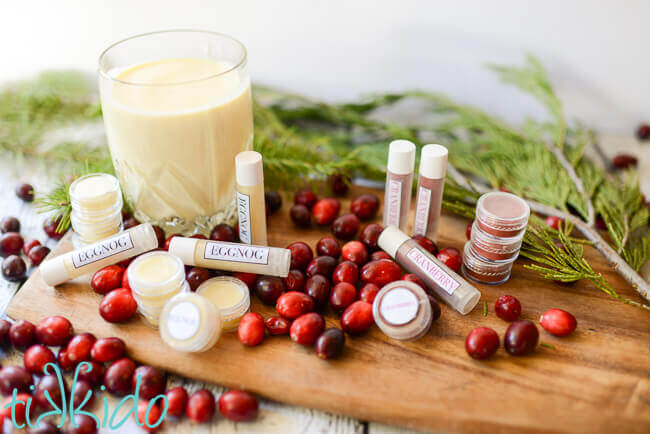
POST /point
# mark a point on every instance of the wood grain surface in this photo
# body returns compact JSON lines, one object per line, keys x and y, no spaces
{"x":596,"y":380}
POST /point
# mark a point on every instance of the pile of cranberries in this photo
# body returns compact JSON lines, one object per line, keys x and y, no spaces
{"x":13,"y":248}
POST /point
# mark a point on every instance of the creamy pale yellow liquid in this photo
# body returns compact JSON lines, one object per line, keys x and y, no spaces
{"x":174,"y":134}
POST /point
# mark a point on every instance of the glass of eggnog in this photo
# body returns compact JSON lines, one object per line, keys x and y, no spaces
{"x":177,"y":109}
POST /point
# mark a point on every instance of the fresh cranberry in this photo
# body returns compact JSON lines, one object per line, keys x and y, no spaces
{"x":306,"y":328}
{"x":300,"y":215}
{"x":80,"y":346}
{"x":357,"y":318}
{"x":346,"y":271}
{"x":13,"y":268}
{"x":381,"y":272}
{"x":507,"y":307}
{"x":25,"y":192}
{"x":643,"y":132}
{"x":355,"y":251}
{"x":435,"y":308}
{"x":365,"y":206}
{"x":277,"y":326}
{"x":169,"y":240}
{"x":196,"y":276}
{"x":152,"y":382}
{"x":295,"y":281}
{"x":301,"y":255}
{"x":321,"y":265}
{"x":54,"y":331}
{"x":117,"y":378}
{"x":43,"y":427}
{"x":238,"y":406}
{"x":368,"y":292}
{"x":92,"y":372}
{"x":292,"y":304}
{"x":83,"y":424}
{"x":451,"y":257}
{"x":63,"y":360}
{"x":29,"y":245}
{"x":273,"y":201}
{"x":118,"y":306}
{"x":37,"y":254}
{"x":22,"y":334}
{"x":11,"y":243}
{"x":330,"y":343}
{"x":129,"y":223}
{"x":521,"y":338}
{"x":482,"y":343}
{"x":600,"y":223}
{"x":468,"y":230}
{"x":148,"y":416}
{"x":326,"y":210}
{"x":305,"y":197}
{"x":318,"y":287}
{"x":558,"y":322}
{"x":328,"y":246}
{"x":248,"y":278}
{"x":425,"y":242}
{"x":160,"y":236}
{"x":553,"y":222}
{"x":251,"y":329}
{"x":624,"y":161}
{"x":82,"y":388}
{"x":268,"y":289}
{"x":50,"y":227}
{"x":340,"y":184}
{"x":203,"y":237}
{"x":346,"y":226}
{"x":223,"y":232}
{"x":19,"y":409}
{"x":125,"y":280}
{"x":201,"y":406}
{"x":5,"y":326}
{"x":380,"y":254}
{"x":9,"y":224}
{"x":343,"y":294}
{"x":107,"y":349}
{"x":15,"y":378}
{"x":107,"y":279}
{"x":410,"y":277}
{"x":370,"y":235}
{"x":176,"y":401}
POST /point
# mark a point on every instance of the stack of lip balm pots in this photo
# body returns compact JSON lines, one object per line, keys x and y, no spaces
{"x":497,"y":234}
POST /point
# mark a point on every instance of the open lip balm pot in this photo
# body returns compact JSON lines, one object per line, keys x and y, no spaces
{"x":230,"y":297}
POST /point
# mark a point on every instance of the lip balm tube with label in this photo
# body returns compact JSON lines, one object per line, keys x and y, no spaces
{"x":250,"y":198}
{"x":449,"y":286}
{"x":431,"y":182}
{"x":96,"y":256}
{"x":219,"y":255}
{"x":399,"y":181}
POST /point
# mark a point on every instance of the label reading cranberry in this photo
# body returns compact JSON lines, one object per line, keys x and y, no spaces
{"x":102,"y":250}
{"x":422,"y":211}
{"x":236,"y":253}
{"x":399,"y":306}
{"x":394,"y":202}
{"x":433,"y":270}
{"x":244,"y":211}
{"x":183,"y":320}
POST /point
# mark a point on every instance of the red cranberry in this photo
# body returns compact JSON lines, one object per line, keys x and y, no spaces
{"x":223,"y":232}
{"x":370,"y":235}
{"x":201,"y":406}
{"x":343,"y":294}
{"x":292,"y":304}
{"x":468,"y":230}
{"x":38,"y":254}
{"x":118,"y":306}
{"x":277,"y":326}
{"x":380,"y":272}
{"x":553,"y":222}
{"x":248,"y":278}
{"x":129,"y":223}
{"x":306,"y":328}
{"x":415,"y":279}
{"x":368,"y":292}
{"x":19,"y":410}
{"x":107,"y":279}
{"x":318,"y":287}
{"x":355,"y":251}
{"x":268,"y":289}
{"x":13,"y":268}
{"x":117,"y":378}
{"x":14,"y":377}
{"x":80,"y":346}
{"x":357,"y":318}
{"x":54,"y":331}
{"x":558,"y":322}
{"x":63,"y":360}
{"x":83,"y":424}
{"x":321,"y":265}
{"x":30,"y":245}
{"x":600,"y":223}
{"x":169,"y":240}
{"x":365,"y":206}
{"x":176,"y":401}
{"x":451,"y":258}
{"x":9,"y":224}
{"x":10,"y":244}
{"x":305,"y":197}
{"x":380,"y":254}
{"x":346,"y":271}
{"x":273,"y":201}
{"x":507,"y":307}
{"x":482,"y":343}
{"x":624,"y":161}
{"x":326,"y":210}
{"x":345,"y":227}
{"x":22,"y":334}
{"x":36,"y":357}
{"x":50,"y":227}
{"x":328,"y":246}
{"x":82,"y":388}
{"x":435,"y":308}
{"x":295,"y":281}
{"x":238,"y":406}
{"x":340,"y":184}
{"x":521,"y":338}
{"x":4,"y":332}
{"x":300,"y":215}
{"x":301,"y":255}
{"x":251,"y":329}
{"x":152,"y":382}
{"x":160,"y":236}
{"x":643,"y":132}
{"x":25,"y":192}
{"x":203,"y":237}
{"x":428,"y":244}
{"x":148,"y":416}
{"x":92,"y":372}
{"x":44,"y":427}
{"x":330,"y":343}
{"x":107,"y":349}
{"x":196,"y":276}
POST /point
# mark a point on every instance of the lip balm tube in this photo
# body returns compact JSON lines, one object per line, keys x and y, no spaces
{"x":452,"y":288}
{"x":219,"y":255}
{"x":250,"y":198}
{"x":431,"y":182}
{"x":399,"y":180}
{"x":93,"y":257}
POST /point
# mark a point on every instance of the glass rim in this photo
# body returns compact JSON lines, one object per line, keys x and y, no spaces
{"x":237,"y":65}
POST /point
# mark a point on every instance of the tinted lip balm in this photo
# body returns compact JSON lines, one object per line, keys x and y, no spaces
{"x":449,"y":286}
{"x":399,"y":181}
{"x":431,"y":182}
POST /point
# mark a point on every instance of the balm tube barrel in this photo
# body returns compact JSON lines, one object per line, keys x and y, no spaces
{"x":399,"y":182}
{"x":219,"y":255}
{"x":88,"y":259}
{"x":431,"y":182}
{"x":250,"y":198}
{"x":452,"y":288}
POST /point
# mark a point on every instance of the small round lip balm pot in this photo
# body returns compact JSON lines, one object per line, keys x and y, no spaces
{"x":502,"y":214}
{"x":497,"y":249}
{"x":482,"y":270}
{"x":230,"y":297}
{"x":190,"y":323}
{"x":402,"y":311}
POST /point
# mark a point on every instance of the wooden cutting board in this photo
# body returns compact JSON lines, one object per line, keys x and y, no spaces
{"x":597,"y":380}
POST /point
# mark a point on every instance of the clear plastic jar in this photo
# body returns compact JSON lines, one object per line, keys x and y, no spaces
{"x":190,"y":323}
{"x":230,"y":296}
{"x":493,"y":248}
{"x":482,"y":270}
{"x":502,"y":214}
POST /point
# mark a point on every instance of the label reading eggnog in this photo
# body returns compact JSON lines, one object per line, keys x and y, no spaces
{"x":394,"y":202}
{"x":102,"y":250}
{"x":422,"y":211}
{"x":183,"y":320}
{"x":437,"y":274}
{"x":244,"y":211}
{"x":236,"y":253}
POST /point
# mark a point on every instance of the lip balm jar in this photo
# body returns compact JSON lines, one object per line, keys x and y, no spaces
{"x":96,"y":201}
{"x":502,"y":214}
{"x":190,"y":323}
{"x":431,"y":183}
{"x":230,"y":296}
{"x":496,"y":249}
{"x":485,"y":271}
{"x":402,"y":311}
{"x":399,"y":181}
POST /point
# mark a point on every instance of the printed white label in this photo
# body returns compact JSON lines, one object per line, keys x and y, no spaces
{"x":102,"y":250}
{"x":422,"y":211}
{"x":437,"y":274}
{"x":236,"y":253}
{"x":394,"y":202}
{"x":244,"y":210}
{"x":183,"y":320}
{"x":399,"y":306}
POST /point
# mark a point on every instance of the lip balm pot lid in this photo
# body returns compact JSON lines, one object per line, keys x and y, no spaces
{"x":402,"y":311}
{"x":401,"y":157}
{"x":502,"y":211}
{"x":433,"y":161}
